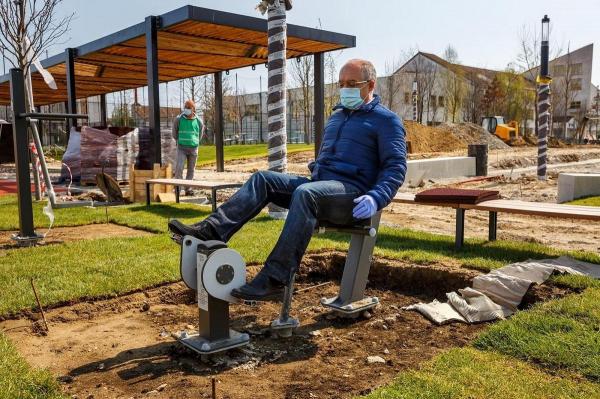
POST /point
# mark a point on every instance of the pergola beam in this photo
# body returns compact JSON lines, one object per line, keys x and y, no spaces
{"x":319,"y":103}
{"x":153,"y":82}
{"x":70,"y":54}
{"x":218,"y":80}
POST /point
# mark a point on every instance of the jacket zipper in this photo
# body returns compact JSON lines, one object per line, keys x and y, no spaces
{"x":339,"y":132}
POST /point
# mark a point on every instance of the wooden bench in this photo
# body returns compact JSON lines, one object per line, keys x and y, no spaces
{"x":201,"y":184}
{"x":560,"y":211}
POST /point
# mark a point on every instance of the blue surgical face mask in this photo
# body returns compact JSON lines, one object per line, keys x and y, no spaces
{"x":350,"y":98}
{"x":187,"y":112}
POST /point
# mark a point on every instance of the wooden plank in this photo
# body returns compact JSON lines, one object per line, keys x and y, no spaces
{"x":166,"y":197}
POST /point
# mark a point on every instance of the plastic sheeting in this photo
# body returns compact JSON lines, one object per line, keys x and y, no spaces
{"x":113,"y":150}
{"x":497,"y":295}
{"x":145,"y":158}
{"x":72,"y":157}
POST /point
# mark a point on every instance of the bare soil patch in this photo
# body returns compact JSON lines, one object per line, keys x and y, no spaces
{"x":59,"y":235}
{"x":122,"y":348}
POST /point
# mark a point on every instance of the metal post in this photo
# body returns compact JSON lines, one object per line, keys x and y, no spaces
{"x":415,"y":99}
{"x":493,"y":226}
{"x":460,"y":228}
{"x":21,"y":148}
{"x":219,"y":121}
{"x":103,"y":115}
{"x":319,"y":62}
{"x":70,"y":54}
{"x":544,"y":122}
{"x":152,"y":24}
{"x":260,"y":112}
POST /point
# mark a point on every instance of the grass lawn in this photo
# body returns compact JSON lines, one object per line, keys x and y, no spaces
{"x":468,"y":373}
{"x":589,"y":201}
{"x":206,"y":153}
{"x":19,"y":380}
{"x":550,"y":351}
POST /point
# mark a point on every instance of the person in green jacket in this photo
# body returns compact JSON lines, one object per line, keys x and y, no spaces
{"x":187,"y":131}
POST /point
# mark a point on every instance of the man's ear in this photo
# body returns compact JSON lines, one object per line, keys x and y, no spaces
{"x":371,"y":85}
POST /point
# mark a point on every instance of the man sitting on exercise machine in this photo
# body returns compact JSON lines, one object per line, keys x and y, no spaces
{"x":360,"y":167}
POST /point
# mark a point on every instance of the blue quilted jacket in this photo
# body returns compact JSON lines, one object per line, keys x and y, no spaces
{"x":365,"y":148}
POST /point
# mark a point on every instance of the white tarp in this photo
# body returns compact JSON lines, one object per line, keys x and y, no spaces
{"x":497,"y":295}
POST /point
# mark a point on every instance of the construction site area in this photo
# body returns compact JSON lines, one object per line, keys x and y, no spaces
{"x":428,"y":232}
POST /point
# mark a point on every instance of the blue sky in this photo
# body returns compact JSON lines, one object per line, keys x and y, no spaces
{"x":484,"y":32}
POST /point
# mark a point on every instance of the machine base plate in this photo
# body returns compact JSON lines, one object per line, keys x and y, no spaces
{"x":204,"y":346}
{"x":351,"y":309}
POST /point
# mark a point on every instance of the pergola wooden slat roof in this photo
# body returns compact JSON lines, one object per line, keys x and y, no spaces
{"x":192,"y":41}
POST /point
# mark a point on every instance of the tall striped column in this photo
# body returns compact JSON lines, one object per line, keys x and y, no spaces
{"x":276,"y":100}
{"x":415,"y":100}
{"x":544,"y":123}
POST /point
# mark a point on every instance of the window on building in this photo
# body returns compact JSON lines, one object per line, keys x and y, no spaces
{"x":432,"y":102}
{"x":575,"y":84}
{"x":575,"y":105}
{"x":576,"y":69}
{"x":558,"y":70}
{"x":406,"y":97}
{"x":441,"y":101}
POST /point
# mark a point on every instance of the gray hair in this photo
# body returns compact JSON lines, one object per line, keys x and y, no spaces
{"x":367,"y":68}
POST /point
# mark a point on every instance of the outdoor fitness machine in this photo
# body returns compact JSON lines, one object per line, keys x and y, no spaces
{"x":351,"y":300}
{"x":212,"y":270}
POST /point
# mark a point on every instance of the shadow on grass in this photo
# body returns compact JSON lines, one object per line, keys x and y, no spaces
{"x":166,"y":211}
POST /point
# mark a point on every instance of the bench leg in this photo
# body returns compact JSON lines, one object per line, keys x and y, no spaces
{"x":460,"y":228}
{"x":147,"y":194}
{"x":213,"y":199}
{"x":493,"y":226}
{"x":177,"y":192}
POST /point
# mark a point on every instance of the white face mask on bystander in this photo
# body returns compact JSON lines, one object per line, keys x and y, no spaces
{"x":187,"y":111}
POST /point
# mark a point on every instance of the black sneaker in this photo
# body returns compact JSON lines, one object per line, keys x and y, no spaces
{"x":261,"y":288}
{"x":197,"y":230}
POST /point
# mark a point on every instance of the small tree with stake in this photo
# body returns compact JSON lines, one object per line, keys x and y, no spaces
{"x":28,"y":28}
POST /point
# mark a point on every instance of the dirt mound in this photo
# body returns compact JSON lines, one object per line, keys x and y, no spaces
{"x":471,"y":133}
{"x":449,"y":137}
{"x":431,"y":139}
{"x":553,"y":142}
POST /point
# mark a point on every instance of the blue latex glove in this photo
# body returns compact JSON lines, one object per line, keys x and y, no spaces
{"x":365,"y":208}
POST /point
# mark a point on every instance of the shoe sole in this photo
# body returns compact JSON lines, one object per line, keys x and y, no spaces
{"x":278,"y":297}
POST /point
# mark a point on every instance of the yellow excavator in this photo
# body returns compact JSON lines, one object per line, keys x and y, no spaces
{"x":508,"y":132}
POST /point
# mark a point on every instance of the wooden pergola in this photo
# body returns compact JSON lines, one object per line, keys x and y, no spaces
{"x":186,"y":42}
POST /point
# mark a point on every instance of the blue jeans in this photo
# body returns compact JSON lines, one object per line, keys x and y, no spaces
{"x":308,"y":202}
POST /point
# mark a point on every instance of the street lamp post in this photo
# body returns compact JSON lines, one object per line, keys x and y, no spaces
{"x":544,"y":121}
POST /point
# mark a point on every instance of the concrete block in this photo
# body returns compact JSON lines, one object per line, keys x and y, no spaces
{"x":577,"y":185}
{"x":439,"y":168}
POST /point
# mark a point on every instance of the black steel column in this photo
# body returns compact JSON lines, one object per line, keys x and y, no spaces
{"x":70,"y":54}
{"x":103,"y":116}
{"x":21,"y":148}
{"x":219,"y":121}
{"x":153,"y":82}
{"x":319,"y":100}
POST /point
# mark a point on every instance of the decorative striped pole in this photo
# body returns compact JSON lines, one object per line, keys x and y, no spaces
{"x":415,"y":98}
{"x":544,"y":105}
{"x":544,"y":123}
{"x":276,"y":100}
